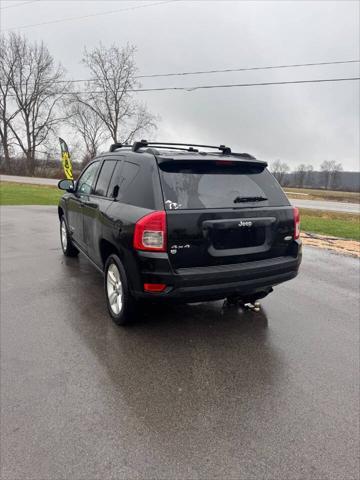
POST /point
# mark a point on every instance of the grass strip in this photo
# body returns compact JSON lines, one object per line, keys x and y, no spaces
{"x":26,"y":194}
{"x":335,"y":224}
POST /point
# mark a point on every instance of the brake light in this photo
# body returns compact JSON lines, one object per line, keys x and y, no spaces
{"x":296,"y":223}
{"x":154,"y":287}
{"x":150,"y":232}
{"x":224,"y":162}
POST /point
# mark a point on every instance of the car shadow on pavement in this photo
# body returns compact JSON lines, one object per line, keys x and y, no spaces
{"x":180,"y":369}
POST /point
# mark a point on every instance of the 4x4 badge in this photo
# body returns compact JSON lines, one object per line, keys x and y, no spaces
{"x":174,"y":248}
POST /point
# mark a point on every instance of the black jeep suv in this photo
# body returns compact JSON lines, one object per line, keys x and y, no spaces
{"x":168,"y":221}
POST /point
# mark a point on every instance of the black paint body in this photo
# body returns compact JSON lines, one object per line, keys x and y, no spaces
{"x":207,"y":263}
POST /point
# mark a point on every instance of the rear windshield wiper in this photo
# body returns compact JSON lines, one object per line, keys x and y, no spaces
{"x":249,"y":199}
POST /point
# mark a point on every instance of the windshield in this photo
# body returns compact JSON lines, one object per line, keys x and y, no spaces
{"x":212,"y":186}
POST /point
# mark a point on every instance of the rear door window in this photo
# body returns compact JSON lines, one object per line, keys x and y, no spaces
{"x":102,"y":184}
{"x":200,"y":185}
{"x":115,"y":176}
{"x":123,"y":177}
{"x":128,"y":174}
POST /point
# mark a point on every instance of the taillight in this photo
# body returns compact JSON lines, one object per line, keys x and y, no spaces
{"x":150,"y":232}
{"x":296,"y":223}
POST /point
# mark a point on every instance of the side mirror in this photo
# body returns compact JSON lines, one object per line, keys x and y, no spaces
{"x":67,"y":185}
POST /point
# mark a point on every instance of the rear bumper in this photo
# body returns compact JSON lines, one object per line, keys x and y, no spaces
{"x":212,"y":283}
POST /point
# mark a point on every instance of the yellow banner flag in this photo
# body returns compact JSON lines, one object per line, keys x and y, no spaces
{"x":65,"y":159}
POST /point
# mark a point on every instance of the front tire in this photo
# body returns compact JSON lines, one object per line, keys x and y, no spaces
{"x":121,"y":305}
{"x":68,"y":248}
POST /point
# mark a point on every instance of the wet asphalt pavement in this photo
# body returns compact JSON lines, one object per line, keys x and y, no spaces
{"x":31,"y":180}
{"x":326,"y":205}
{"x":192,"y":391}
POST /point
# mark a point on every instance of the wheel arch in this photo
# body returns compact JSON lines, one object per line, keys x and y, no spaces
{"x":106,"y":249}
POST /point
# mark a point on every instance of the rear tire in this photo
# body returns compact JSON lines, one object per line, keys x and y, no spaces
{"x":121,"y":305}
{"x":68,"y":248}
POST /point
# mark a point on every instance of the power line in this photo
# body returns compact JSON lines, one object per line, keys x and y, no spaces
{"x":91,"y":15}
{"x":231,"y":85}
{"x":227,"y":70}
{"x":18,"y":4}
{"x":246,"y":69}
{"x":226,"y":85}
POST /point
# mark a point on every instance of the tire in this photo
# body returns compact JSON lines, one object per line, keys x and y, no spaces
{"x":68,"y":248}
{"x":121,"y":305}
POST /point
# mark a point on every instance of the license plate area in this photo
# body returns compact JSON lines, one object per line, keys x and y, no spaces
{"x":239,"y":236}
{"x":244,"y":237}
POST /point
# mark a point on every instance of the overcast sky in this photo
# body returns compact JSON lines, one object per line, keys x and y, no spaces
{"x":305,"y":123}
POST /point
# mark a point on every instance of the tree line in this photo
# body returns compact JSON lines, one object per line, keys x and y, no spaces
{"x":303,"y":175}
{"x":36,"y":100}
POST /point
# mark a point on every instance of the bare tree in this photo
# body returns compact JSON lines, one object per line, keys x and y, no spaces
{"x":109,"y":93}
{"x":38,"y":87}
{"x":279,"y":170}
{"x":88,"y":125}
{"x":309,"y":175}
{"x":302,"y":173}
{"x":7,"y":110}
{"x":331,"y":169}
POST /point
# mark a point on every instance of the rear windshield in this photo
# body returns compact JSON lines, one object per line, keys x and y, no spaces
{"x":213,"y":185}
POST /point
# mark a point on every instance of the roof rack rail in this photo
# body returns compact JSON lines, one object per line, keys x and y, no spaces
{"x":244,"y":155}
{"x":176,"y":146}
{"x":115,"y":146}
{"x":156,"y":152}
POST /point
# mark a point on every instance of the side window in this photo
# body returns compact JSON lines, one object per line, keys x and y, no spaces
{"x":128,"y":173}
{"x":116,"y":176}
{"x":85,"y":182}
{"x":103,"y":181}
{"x":123,"y":177}
{"x":135,"y":184}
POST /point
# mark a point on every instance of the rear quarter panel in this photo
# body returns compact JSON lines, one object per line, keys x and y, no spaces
{"x":118,"y":224}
